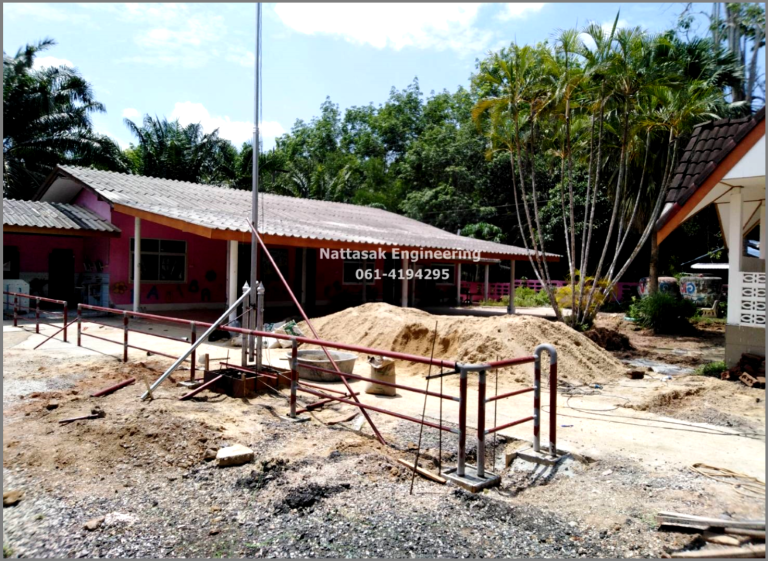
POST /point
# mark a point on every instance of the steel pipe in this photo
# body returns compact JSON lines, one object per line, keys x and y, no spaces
{"x":380,"y":382}
{"x":379,"y":410}
{"x":462,"y":422}
{"x":510,"y":394}
{"x":114,"y":388}
{"x":552,"y":392}
{"x":512,"y":424}
{"x":205,"y":386}
{"x":481,"y":422}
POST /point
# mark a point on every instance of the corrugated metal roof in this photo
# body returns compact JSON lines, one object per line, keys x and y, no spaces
{"x":222,"y":208}
{"x":40,"y":214}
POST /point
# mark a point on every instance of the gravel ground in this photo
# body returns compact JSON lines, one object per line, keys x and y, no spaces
{"x":352,"y":502}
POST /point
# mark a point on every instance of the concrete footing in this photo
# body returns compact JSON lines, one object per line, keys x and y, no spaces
{"x":470,"y":481}
{"x":543,"y":457}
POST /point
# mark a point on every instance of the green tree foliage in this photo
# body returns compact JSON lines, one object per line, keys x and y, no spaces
{"x":47,"y":121}
{"x":169,"y":150}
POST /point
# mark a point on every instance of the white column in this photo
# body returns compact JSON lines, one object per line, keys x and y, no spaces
{"x":303,"y":275}
{"x":136,"y":263}
{"x":762,"y":230}
{"x":232,"y":255}
{"x":511,"y":307}
{"x":458,"y":284}
{"x":735,"y":251}
{"x":485,"y":285}
{"x":404,"y":284}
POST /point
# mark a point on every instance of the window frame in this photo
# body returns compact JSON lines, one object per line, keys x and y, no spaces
{"x":159,"y":254}
{"x":446,"y":265}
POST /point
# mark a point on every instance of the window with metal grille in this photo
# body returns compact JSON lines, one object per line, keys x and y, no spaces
{"x":161,"y":260}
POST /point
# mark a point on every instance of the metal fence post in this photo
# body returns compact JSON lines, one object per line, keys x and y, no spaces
{"x":79,"y":325}
{"x":481,"y":424}
{"x":66,"y":317}
{"x":259,"y":324}
{"x":462,"y":422}
{"x":37,"y":315}
{"x":552,"y":397}
{"x":193,"y":358}
{"x":553,"y":403}
{"x":125,"y":336}
{"x":537,"y":403}
{"x":15,"y":311}
{"x":294,"y":375}
{"x":246,"y":324}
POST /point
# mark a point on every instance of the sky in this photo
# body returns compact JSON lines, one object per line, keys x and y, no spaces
{"x":195,"y":62}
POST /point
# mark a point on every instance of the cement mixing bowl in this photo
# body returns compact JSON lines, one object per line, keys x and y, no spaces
{"x":345,"y":362}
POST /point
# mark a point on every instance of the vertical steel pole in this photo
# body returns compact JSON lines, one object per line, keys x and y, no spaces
{"x":294,"y":375}
{"x":255,"y":170}
{"x":193,"y":358}
{"x":481,"y":424}
{"x":79,"y":325}
{"x":246,"y":324}
{"x":66,"y":317}
{"x":15,"y":311}
{"x":259,"y":324}
{"x":125,"y":336}
{"x":462,"y":422}
{"x":37,"y":315}
{"x":537,"y":403}
{"x":553,"y":404}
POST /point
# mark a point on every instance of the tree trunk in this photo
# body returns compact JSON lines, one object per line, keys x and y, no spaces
{"x":653,"y":274}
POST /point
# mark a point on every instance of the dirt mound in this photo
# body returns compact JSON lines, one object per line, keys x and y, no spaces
{"x":467,"y":339}
{"x":609,"y":339}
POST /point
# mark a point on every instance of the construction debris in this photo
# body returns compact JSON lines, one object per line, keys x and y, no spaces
{"x":422,"y":472}
{"x":110,"y":389}
{"x":12,"y":498}
{"x":704,"y":523}
{"x":716,"y":531}
{"x":750,"y":370}
{"x":236,"y":455}
{"x":748,"y":552}
{"x":96,"y":413}
{"x":743,"y":484}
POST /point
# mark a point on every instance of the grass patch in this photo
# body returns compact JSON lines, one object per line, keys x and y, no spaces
{"x":712,"y":369}
{"x":7,"y":551}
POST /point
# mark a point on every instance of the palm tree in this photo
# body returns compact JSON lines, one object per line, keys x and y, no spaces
{"x":169,"y":150}
{"x":47,"y":121}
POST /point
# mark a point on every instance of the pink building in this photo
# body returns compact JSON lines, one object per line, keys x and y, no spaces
{"x":194,"y":245}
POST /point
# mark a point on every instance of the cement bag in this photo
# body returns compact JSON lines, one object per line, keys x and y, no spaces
{"x":271,"y":342}
{"x":288,"y":328}
{"x":382,"y":369}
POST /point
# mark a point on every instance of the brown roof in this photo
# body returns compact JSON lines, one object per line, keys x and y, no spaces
{"x":54,"y":216}
{"x":222,"y":208}
{"x":710,"y":144}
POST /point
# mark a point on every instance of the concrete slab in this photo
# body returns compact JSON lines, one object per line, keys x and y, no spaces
{"x":542,"y":457}
{"x":470,"y":480}
{"x":236,"y":455}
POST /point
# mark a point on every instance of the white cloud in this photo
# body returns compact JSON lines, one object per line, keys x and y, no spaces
{"x":194,"y":31}
{"x":46,"y":61}
{"x":242,"y":57}
{"x":188,"y":112}
{"x":516,"y":10}
{"x":131,"y":113}
{"x":49,"y":12}
{"x":396,"y":26}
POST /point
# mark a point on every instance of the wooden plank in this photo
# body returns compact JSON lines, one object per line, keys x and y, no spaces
{"x":757,"y":534}
{"x":683,"y":519}
{"x":424,"y":473}
{"x":724,"y":539}
{"x":748,"y":552}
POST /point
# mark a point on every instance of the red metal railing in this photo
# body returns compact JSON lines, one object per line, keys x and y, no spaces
{"x":127,"y":315}
{"x":29,"y":297}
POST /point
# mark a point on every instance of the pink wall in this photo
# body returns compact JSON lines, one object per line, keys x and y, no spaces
{"x":87,"y":199}
{"x":34,"y":250}
{"x":329,"y":280}
{"x":203,"y":255}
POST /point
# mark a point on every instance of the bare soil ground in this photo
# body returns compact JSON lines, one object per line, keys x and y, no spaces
{"x":334,"y":491}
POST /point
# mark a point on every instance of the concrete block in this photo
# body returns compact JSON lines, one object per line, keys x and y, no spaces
{"x":470,"y":480}
{"x":236,"y":455}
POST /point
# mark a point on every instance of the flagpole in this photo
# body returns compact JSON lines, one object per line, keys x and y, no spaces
{"x":255,"y":180}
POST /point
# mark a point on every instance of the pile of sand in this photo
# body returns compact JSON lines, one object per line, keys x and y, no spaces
{"x":468,"y":339}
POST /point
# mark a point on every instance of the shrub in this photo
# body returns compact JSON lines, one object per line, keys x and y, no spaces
{"x":711,"y":369}
{"x":529,"y":298}
{"x":662,"y":312}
